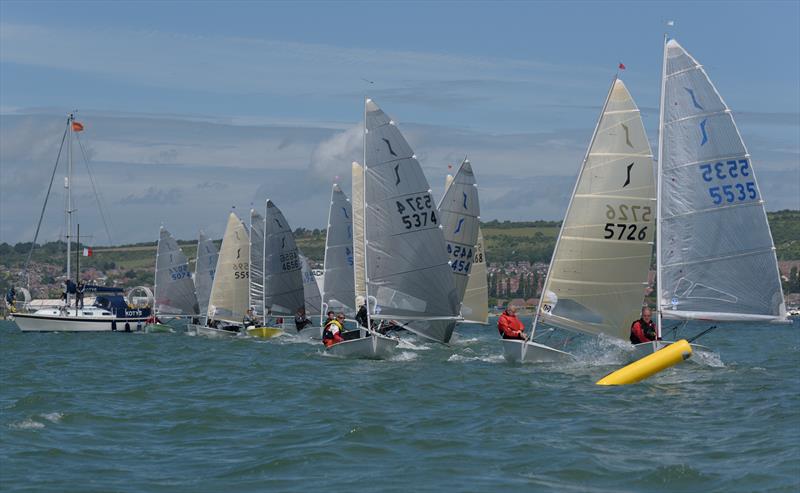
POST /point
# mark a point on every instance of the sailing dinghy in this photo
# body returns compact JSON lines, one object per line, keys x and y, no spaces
{"x":407,"y":276}
{"x":174,"y":290}
{"x":204,"y":268}
{"x":716,"y":258}
{"x":256,"y":303}
{"x":338,"y":286}
{"x":231,"y":287}
{"x":460,"y":216}
{"x":598,"y":273}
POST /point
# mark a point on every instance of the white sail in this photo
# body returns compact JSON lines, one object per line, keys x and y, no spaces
{"x":716,"y":257}
{"x":204,"y":268}
{"x":460,"y":211}
{"x":311,"y":294}
{"x":257,"y":226}
{"x":283,"y":277}
{"x":230,"y":290}
{"x":338,"y":290}
{"x":475,"y":307}
{"x":358,"y":231}
{"x":407,"y":270}
{"x":174,"y":289}
{"x":598,"y":273}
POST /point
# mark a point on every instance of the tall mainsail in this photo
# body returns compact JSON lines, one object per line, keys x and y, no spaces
{"x":407,"y":270}
{"x":257,"y":226}
{"x":230,"y":290}
{"x":460,"y":211}
{"x":598,"y":273}
{"x":338,"y":289}
{"x":174,"y":289}
{"x":311,"y":294}
{"x":358,"y":232}
{"x":475,"y":307}
{"x":283,"y":278}
{"x":716,"y":257}
{"x":204,"y":269}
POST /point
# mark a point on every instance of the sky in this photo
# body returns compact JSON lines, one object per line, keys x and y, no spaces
{"x":192,"y":109}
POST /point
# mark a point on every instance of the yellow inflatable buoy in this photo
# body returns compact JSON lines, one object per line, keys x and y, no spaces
{"x":649,"y":365}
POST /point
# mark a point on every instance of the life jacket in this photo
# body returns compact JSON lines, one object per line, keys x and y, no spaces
{"x":327,"y":333}
{"x":642,"y":331}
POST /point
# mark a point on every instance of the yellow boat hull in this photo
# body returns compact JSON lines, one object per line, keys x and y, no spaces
{"x":264,"y":332}
{"x":649,"y":365}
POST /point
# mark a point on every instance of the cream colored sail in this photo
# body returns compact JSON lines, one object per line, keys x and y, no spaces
{"x":598,"y":273}
{"x":230,"y":291}
{"x":475,"y":306}
{"x":358,"y":230}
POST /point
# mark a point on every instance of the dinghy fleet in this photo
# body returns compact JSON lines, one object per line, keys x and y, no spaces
{"x":419,"y":267}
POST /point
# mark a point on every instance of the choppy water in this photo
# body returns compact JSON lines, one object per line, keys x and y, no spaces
{"x":168,"y":412}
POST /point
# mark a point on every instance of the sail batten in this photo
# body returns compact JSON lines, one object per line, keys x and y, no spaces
{"x":715,"y":254}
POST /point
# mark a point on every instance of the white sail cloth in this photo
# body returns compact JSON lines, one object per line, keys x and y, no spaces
{"x":231,"y":287}
{"x":407,"y":269}
{"x":283,"y":277}
{"x":717,"y":257}
{"x":598,"y":273}
{"x":475,"y":307}
{"x":460,"y":211}
{"x":204,"y":268}
{"x":360,"y":283}
{"x":338,"y":284}
{"x":174,"y":289}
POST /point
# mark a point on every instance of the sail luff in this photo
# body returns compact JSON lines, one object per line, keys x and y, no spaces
{"x":283,"y":278}
{"x":659,"y":186}
{"x":338,"y":289}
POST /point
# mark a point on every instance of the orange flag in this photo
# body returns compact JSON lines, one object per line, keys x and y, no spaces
{"x":77,"y":126}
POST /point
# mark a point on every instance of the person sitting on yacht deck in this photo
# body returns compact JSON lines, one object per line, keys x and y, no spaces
{"x":361,"y":316}
{"x":644,"y":329}
{"x":332,"y":333}
{"x":300,"y":320}
{"x":509,"y":326}
{"x":249,"y":318}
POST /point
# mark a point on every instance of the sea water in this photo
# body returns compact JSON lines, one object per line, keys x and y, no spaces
{"x":170,"y":412}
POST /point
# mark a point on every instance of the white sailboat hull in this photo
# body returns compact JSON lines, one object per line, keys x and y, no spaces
{"x":311,"y":332}
{"x":516,"y":351}
{"x":373,"y":347}
{"x":31,"y":322}
{"x":202,"y":330}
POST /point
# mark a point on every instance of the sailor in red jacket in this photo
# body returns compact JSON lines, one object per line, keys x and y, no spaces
{"x":644,"y":329}
{"x":509,"y":326}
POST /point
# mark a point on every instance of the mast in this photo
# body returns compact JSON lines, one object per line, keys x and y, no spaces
{"x":325,"y":257}
{"x":659,"y":171}
{"x":364,"y":209}
{"x":68,"y":210}
{"x":78,"y":257}
{"x":569,"y":206}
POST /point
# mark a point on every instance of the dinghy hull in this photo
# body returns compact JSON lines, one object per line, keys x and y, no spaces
{"x":211,"y":332}
{"x":264,"y":332}
{"x":371,"y":347}
{"x":516,"y":351}
{"x":158,"y":328}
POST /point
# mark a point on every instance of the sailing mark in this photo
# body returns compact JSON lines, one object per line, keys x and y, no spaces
{"x":627,"y":135}
{"x":628,"y":180}
{"x":391,"y":151}
{"x":694,"y":100}
{"x":703,"y":129}
{"x":458,"y":227}
{"x":396,"y":170}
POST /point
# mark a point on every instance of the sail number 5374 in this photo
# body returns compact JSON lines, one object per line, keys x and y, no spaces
{"x":417,"y":212}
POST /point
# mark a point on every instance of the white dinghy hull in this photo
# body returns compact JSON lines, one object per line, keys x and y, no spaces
{"x":372,"y":347}
{"x":516,"y":351}
{"x":202,"y":330}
